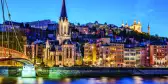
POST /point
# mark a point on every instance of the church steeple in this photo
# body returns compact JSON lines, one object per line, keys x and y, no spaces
{"x":64,"y":32}
{"x":63,"y":10}
{"x":148,"y":29}
{"x":126,"y":25}
{"x":135,"y":22}
{"x":122,"y":23}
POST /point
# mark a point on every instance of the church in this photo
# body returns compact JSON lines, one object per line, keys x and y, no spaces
{"x":62,"y":52}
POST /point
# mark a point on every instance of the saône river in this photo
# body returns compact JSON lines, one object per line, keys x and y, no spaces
{"x":60,"y":76}
{"x":100,"y":80}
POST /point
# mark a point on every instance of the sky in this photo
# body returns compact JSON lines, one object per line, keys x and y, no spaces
{"x":153,"y":12}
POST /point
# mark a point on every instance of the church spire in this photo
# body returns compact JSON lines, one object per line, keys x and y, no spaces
{"x":122,"y":23}
{"x":126,"y":25}
{"x":63,"y":30}
{"x":63,"y":11}
{"x":134,"y":22}
{"x":148,"y":29}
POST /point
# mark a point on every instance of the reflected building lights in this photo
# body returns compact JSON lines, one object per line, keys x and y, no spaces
{"x":19,"y":80}
{"x":1,"y":79}
{"x":138,"y":80}
{"x":104,"y":79}
{"x":92,"y":81}
{"x":40,"y":80}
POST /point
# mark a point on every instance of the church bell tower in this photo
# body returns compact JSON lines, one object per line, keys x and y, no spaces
{"x":63,"y":32}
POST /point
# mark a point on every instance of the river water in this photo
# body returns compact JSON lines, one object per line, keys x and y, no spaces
{"x":101,"y":80}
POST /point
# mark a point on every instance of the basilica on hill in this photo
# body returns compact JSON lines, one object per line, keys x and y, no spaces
{"x":136,"y":26}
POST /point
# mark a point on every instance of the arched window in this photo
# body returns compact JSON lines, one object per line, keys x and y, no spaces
{"x":67,"y":52}
{"x":60,"y":58}
{"x":70,"y":53}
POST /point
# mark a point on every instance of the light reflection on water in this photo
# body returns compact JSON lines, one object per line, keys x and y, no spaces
{"x":101,"y":80}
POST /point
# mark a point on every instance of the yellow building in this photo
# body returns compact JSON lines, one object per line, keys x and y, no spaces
{"x":135,"y":26}
{"x":90,"y":54}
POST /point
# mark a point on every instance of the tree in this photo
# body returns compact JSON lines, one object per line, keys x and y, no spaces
{"x":27,"y":25}
{"x":22,"y":25}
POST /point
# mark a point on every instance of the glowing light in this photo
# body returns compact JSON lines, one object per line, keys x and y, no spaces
{"x":1,"y":79}
{"x":40,"y":80}
{"x":108,"y":58}
{"x":92,"y":81}
{"x":138,"y":80}
{"x":28,"y":81}
{"x":40,"y":69}
{"x":20,"y":69}
{"x":19,"y":80}
{"x":67,"y":80}
{"x":28,"y":71}
{"x":104,"y":79}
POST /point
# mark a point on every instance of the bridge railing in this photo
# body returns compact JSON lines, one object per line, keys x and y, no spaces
{"x":15,"y":54}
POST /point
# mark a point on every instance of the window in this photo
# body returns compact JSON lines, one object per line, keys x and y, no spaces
{"x":126,"y":54}
{"x":126,"y":49}
{"x":70,"y":53}
{"x":132,"y":54}
{"x":132,"y":50}
{"x":106,"y":52}
{"x":60,"y":58}
{"x":126,"y":58}
{"x":138,"y":52}
{"x":132,"y":59}
{"x":67,"y":52}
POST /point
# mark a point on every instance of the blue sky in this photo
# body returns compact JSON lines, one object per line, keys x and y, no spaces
{"x":154,"y":12}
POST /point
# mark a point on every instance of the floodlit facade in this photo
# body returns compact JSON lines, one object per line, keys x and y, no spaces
{"x":144,"y":57}
{"x":104,"y":55}
{"x":63,"y":52}
{"x":135,"y":26}
{"x":90,"y":54}
{"x":129,"y":57}
{"x":158,"y":54}
{"x":118,"y":54}
{"x":69,"y":54}
{"x":63,"y":31}
{"x":35,"y":52}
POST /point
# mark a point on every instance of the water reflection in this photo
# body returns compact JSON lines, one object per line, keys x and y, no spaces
{"x":40,"y":80}
{"x":101,"y":80}
{"x":138,"y":80}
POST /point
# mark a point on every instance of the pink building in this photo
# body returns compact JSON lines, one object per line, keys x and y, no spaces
{"x":144,"y":58}
{"x":158,"y":54}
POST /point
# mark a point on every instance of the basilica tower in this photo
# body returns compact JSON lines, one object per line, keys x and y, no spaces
{"x":148,"y":29}
{"x":63,"y":32}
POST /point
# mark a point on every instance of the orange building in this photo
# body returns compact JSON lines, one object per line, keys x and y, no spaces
{"x":118,"y":54}
{"x":158,"y":54}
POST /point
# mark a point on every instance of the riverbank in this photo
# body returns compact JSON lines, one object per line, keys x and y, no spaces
{"x":61,"y":72}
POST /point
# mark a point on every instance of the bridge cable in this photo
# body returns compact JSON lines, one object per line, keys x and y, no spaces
{"x":9,"y":16}
{"x":7,"y":33}
{"x":3,"y":16}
